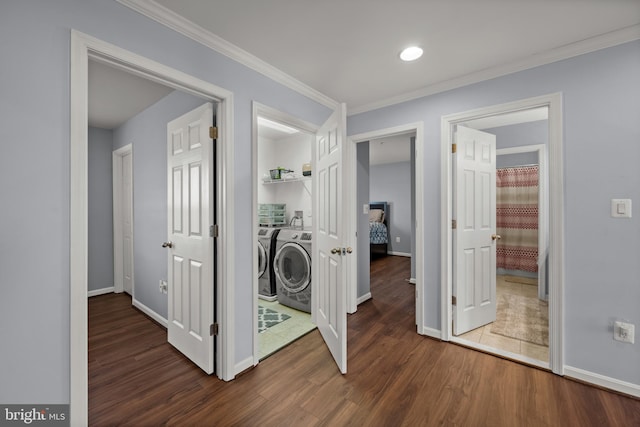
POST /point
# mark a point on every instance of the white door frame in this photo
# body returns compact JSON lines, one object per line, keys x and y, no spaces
{"x":556,"y":223}
{"x":543,"y":206}
{"x":118,"y":215}
{"x":84,"y":47}
{"x":352,"y":290}
{"x":262,"y":110}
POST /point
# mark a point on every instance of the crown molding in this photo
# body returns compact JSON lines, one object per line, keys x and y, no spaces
{"x":170,"y":19}
{"x":571,"y":50}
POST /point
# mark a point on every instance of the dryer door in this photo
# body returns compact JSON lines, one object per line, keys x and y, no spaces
{"x":292,"y":266}
{"x":262,"y":260}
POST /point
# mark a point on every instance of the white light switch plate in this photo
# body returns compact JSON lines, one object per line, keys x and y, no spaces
{"x":365,"y":209}
{"x":621,"y":208}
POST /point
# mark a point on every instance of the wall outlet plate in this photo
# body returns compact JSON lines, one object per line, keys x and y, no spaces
{"x":624,"y":332}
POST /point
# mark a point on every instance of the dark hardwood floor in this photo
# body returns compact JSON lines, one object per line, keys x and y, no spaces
{"x":395,"y":377}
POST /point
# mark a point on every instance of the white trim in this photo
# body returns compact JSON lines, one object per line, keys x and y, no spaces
{"x":581,"y":47}
{"x":277,"y":116}
{"x":118,"y":249}
{"x":152,"y":314}
{"x":405,"y":254}
{"x":602,"y":381}
{"x":353,"y":140}
{"x":84,"y":47}
{"x":96,"y":292}
{"x":412,"y":280}
{"x":431,"y":332}
{"x":543,"y":208}
{"x":168,"y":18}
{"x":556,"y":216}
{"x":243,"y":365}
{"x":499,"y":352}
{"x":363,"y":298}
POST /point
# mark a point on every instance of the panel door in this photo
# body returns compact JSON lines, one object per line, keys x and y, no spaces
{"x":474,"y":281}
{"x":329,"y":275}
{"x":190,"y":213}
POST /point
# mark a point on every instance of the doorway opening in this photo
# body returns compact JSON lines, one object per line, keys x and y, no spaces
{"x":283,"y":206}
{"x":84,"y":49}
{"x":386,"y":213}
{"x":529,"y":254}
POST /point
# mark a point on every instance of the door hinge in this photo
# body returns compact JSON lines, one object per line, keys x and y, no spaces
{"x":213,"y":132}
{"x":454,"y":301}
{"x":213,"y":230}
{"x":454,"y":148}
{"x":454,"y":224}
{"x":213,"y":330}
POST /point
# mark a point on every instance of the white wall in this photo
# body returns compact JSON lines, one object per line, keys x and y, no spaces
{"x":601,"y":107}
{"x":290,"y":153}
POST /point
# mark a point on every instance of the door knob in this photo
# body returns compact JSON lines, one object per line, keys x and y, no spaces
{"x":335,"y":251}
{"x":349,"y":250}
{"x":496,"y":237}
{"x":167,"y":245}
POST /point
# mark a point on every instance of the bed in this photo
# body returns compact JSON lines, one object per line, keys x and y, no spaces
{"x":378,"y":228}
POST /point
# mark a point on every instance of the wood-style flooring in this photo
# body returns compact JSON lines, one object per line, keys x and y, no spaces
{"x":395,"y":377}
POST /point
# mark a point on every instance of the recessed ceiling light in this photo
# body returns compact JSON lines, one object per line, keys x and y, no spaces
{"x":411,"y":53}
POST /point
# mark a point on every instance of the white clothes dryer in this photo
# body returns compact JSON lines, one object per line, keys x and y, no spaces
{"x":292,"y":268}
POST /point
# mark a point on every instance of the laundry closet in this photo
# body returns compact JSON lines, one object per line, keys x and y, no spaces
{"x":284,"y":197}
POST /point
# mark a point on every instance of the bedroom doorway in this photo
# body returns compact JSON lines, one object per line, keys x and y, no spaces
{"x":529,"y":262}
{"x":386,"y":187}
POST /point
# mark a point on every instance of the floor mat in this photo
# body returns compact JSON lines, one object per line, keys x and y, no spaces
{"x":268,"y":317}
{"x":522,"y":318}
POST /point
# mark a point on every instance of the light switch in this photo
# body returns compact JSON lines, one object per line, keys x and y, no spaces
{"x":621,"y":208}
{"x":365,"y":209}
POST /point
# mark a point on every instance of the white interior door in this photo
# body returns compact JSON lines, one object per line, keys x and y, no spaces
{"x":190,"y":214}
{"x":329,"y":274}
{"x":474,"y":252}
{"x":127,"y":223}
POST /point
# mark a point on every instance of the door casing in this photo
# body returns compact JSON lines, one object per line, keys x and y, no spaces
{"x":84,"y":47}
{"x":556,"y":222}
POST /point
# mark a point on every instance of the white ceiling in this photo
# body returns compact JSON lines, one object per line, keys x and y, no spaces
{"x":390,"y":149}
{"x":347,"y":51}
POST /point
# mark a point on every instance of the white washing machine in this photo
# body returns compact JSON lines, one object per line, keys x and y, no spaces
{"x":267,"y":239}
{"x":292,"y":268}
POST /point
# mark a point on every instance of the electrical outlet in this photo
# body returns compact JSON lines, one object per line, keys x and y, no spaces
{"x":624,"y":332}
{"x":397,"y":240}
{"x":163,"y":287}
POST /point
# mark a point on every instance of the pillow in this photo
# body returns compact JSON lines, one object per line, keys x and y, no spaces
{"x":376,"y":215}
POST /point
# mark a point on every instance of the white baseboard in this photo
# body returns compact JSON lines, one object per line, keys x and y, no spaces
{"x":363,"y":298}
{"x":603,"y":381}
{"x":243,"y":365}
{"x":96,"y":292}
{"x":146,"y":310}
{"x":399,"y":253}
{"x":430,"y":332}
{"x":412,"y":280}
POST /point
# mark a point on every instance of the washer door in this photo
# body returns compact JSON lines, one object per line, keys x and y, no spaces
{"x":262,"y":260}
{"x":292,"y":265}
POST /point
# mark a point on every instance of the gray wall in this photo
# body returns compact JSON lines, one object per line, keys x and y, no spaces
{"x":100,"y":209}
{"x":34,"y":82}
{"x":601,"y":108}
{"x":391,"y":182}
{"x":413,"y":207}
{"x":147,"y":132}
{"x":519,"y":135}
{"x":362,"y":179}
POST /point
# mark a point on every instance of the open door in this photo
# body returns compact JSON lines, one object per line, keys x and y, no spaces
{"x":190,"y":215}
{"x":330,"y":219}
{"x":474,"y":251}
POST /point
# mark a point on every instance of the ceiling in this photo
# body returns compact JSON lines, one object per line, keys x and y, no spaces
{"x":347,"y":51}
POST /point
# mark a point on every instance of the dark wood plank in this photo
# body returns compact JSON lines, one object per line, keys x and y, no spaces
{"x":396,"y":377}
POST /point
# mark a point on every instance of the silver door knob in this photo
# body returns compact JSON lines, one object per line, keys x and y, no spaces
{"x":496,"y":237}
{"x":349,"y":250}
{"x":167,"y":245}
{"x":336,"y":250}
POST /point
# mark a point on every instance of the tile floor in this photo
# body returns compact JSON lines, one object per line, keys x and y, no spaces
{"x":278,"y":336}
{"x":484,"y":336}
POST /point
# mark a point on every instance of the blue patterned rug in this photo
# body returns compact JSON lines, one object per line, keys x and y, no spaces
{"x":268,"y":318}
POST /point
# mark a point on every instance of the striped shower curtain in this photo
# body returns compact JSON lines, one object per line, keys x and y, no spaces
{"x":517,"y":218}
